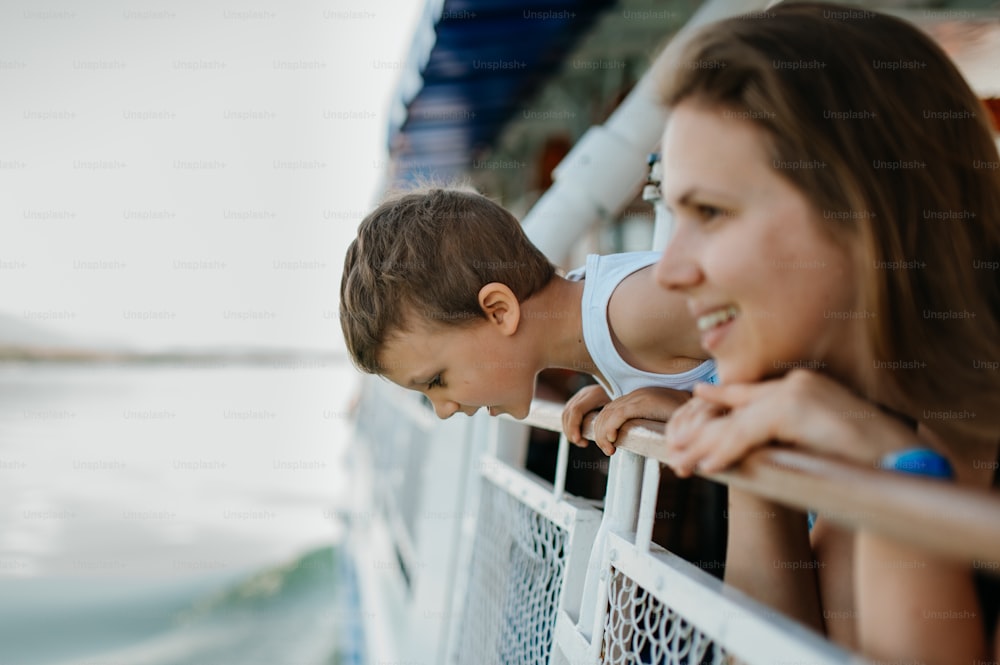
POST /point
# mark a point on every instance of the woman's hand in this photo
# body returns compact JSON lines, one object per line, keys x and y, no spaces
{"x":722,"y":424}
{"x":587,"y":399}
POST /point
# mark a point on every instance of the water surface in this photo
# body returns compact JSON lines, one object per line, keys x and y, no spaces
{"x":172,"y":515}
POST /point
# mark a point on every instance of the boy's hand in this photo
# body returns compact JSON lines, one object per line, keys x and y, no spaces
{"x":587,"y":399}
{"x":648,"y":403}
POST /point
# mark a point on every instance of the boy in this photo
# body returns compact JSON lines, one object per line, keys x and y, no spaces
{"x":444,"y":294}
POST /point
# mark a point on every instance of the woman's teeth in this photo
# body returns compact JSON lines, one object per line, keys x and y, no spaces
{"x":717,"y":318}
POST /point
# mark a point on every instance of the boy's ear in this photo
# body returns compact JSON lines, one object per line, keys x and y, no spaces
{"x":500,"y":306}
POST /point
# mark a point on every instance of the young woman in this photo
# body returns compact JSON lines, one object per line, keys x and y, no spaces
{"x":836,"y":190}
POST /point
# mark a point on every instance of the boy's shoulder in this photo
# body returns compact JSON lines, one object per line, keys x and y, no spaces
{"x":610,"y":266}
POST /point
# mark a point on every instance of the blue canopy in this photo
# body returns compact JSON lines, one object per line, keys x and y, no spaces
{"x":479,"y":62}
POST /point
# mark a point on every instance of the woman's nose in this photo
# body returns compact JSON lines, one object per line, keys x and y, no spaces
{"x":677,"y":270}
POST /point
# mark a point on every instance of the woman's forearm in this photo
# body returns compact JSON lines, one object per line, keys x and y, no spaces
{"x":769,"y":558}
{"x":913,"y":607}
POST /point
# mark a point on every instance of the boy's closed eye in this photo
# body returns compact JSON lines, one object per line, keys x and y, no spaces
{"x":435,"y":382}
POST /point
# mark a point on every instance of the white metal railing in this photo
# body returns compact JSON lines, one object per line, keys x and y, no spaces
{"x":504,"y":577}
{"x":653,"y":607}
{"x":504,"y":567}
{"x":956,"y":522}
{"x":641,"y":604}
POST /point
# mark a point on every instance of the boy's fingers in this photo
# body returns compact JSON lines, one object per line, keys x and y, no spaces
{"x":600,"y":427}
{"x":610,"y":425}
{"x":571,"y":424}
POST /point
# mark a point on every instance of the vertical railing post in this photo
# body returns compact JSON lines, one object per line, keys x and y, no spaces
{"x":647,"y":505}
{"x":562,"y":463}
{"x":620,"y":508}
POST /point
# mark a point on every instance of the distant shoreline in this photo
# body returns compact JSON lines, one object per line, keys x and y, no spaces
{"x":279,"y":358}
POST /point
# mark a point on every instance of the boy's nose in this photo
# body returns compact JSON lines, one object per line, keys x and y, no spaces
{"x":445,"y":408}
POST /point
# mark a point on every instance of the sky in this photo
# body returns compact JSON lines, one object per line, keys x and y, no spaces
{"x":190,"y":173}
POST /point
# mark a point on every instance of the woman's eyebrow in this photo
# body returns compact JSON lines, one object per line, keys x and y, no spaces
{"x":683,"y":199}
{"x":695,"y":192}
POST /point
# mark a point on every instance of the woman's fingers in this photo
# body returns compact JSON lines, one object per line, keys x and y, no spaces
{"x":706,"y":435}
{"x":687,"y":419}
{"x":731,"y":395}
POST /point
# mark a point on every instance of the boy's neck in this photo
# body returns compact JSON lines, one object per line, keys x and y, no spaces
{"x":554,"y":321}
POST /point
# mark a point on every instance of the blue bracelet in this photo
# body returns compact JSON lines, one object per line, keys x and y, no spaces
{"x":919,"y":462}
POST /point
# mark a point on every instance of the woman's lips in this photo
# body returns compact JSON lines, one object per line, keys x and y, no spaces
{"x":714,"y":325}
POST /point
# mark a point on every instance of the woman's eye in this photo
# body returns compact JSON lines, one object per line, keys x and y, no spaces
{"x":708,"y":213}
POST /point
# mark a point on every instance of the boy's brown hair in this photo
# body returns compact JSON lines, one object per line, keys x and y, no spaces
{"x":421,"y":257}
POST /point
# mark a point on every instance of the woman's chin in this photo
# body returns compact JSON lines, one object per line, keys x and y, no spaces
{"x":736,"y":371}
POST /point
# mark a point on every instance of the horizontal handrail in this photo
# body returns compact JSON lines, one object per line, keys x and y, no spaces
{"x":955,"y":522}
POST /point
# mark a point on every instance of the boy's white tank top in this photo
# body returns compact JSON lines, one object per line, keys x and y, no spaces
{"x":603,"y":275}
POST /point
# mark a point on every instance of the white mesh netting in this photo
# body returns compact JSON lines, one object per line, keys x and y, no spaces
{"x":641,"y":629}
{"x":516,"y":575}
